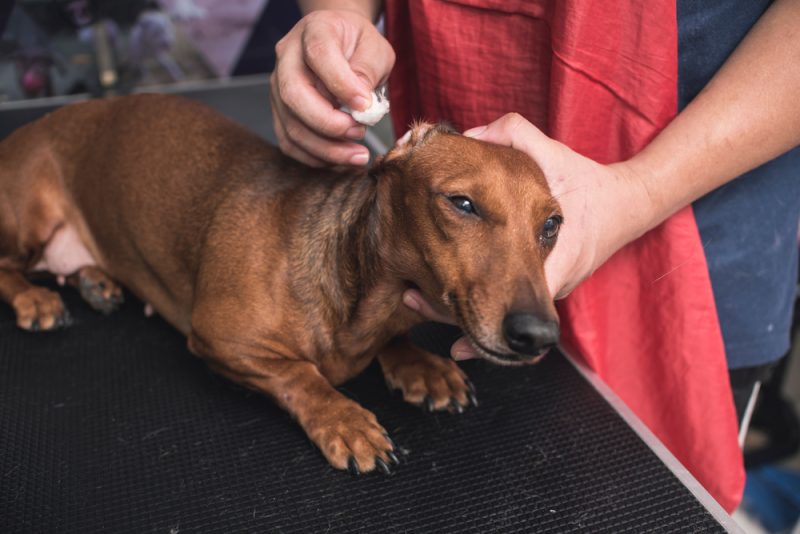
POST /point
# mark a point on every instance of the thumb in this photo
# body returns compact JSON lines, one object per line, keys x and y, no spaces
{"x":338,"y":78}
{"x":462,"y":350}
{"x":414,"y":300}
{"x":372,"y":64}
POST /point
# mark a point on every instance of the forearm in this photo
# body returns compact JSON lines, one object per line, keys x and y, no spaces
{"x":368,"y":8}
{"x":748,"y":114}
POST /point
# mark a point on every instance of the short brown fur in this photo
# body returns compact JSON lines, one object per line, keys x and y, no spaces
{"x":284,"y":278}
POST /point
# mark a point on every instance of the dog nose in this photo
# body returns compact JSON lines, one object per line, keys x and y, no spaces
{"x":527,"y":334}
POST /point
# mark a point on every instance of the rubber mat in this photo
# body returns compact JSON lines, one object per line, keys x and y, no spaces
{"x":112,"y":426}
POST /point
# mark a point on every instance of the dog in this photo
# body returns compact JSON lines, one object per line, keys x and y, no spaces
{"x":285,"y":279}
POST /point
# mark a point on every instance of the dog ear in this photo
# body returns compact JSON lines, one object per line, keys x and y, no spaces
{"x":416,"y":136}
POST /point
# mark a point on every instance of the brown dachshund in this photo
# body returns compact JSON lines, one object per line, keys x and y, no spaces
{"x":284,"y":278}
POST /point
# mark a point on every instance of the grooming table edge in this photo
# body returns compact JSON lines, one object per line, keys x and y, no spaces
{"x":655,"y":444}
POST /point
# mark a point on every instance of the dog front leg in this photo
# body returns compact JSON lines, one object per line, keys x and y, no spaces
{"x":348,"y":435}
{"x":426,"y":380}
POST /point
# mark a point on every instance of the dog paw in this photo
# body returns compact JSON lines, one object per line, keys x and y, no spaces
{"x":352,"y":439}
{"x":39,"y":309}
{"x":98,"y":289}
{"x":432,"y":383}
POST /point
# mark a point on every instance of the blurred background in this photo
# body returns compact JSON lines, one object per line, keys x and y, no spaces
{"x":53,"y":52}
{"x":70,"y":47}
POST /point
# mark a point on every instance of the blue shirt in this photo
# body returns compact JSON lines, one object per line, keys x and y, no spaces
{"x":748,"y":227}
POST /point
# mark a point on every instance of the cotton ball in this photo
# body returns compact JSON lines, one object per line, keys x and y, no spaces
{"x":376,"y":111}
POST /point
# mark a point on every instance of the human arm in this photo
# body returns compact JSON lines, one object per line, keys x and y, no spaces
{"x":333,"y":56}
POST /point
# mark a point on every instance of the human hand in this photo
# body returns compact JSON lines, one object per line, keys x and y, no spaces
{"x":604,"y":207}
{"x":329,"y":58}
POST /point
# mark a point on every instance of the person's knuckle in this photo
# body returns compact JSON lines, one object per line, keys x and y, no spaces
{"x":315,"y":17}
{"x":317,"y":41}
{"x":280,"y":46}
{"x":387,"y":52}
{"x":293,"y":131}
{"x":513,"y":119}
{"x":513,"y":122}
{"x":331,"y":127}
{"x":391,"y":56}
{"x":288,"y":93}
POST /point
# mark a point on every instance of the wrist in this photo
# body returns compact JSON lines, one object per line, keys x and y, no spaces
{"x":369,"y":9}
{"x":643,"y":206}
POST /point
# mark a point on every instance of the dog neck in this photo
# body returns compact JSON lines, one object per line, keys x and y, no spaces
{"x":355,"y":252}
{"x":338,"y":262}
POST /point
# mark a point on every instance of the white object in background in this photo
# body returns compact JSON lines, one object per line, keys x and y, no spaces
{"x":376,"y":111}
{"x":188,"y":10}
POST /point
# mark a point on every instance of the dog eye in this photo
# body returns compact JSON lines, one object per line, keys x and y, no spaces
{"x":463,"y":204}
{"x":551,"y":225}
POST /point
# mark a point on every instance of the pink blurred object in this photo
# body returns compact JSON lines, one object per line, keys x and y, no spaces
{"x":219,"y":30}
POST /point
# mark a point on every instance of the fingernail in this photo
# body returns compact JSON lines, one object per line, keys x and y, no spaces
{"x":360,"y":103}
{"x":411,"y":302}
{"x":359,"y":158}
{"x":475,"y":132}
{"x":355,"y":132}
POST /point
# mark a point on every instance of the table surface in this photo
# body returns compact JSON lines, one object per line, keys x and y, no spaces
{"x":111,"y":425}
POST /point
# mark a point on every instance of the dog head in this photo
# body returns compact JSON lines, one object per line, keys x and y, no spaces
{"x":478,"y":222}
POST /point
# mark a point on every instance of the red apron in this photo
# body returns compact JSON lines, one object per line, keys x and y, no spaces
{"x":601,"y":77}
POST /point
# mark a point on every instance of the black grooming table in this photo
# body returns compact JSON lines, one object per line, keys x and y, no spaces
{"x":112,"y":426}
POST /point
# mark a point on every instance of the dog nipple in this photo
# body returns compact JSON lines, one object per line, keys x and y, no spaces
{"x":376,"y":111}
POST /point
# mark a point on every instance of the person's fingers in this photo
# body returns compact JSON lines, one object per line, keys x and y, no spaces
{"x":337,"y":152}
{"x":292,"y":150}
{"x":462,"y":349}
{"x":513,"y":130}
{"x":414,"y":300}
{"x":373,"y":60}
{"x":328,"y":59}
{"x":353,"y":65}
{"x":294,"y":87}
{"x":328,"y":63}
{"x":301,"y":143}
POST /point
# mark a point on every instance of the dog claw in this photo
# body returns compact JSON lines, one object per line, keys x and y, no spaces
{"x":385,"y":469}
{"x":428,"y":402}
{"x":393,"y":457}
{"x":471,"y":393}
{"x":35,"y":325}
{"x":352,"y":466}
{"x":470,"y":386}
{"x":64,"y":320}
{"x":456,"y":406}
